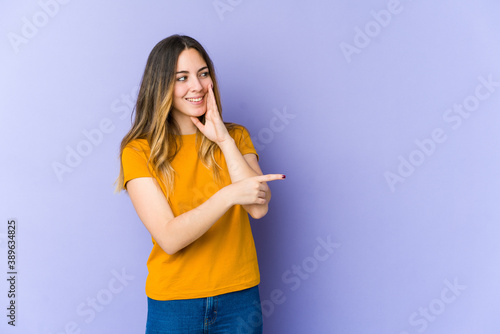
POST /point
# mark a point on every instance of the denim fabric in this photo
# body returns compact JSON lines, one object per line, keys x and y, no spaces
{"x":235,"y":312}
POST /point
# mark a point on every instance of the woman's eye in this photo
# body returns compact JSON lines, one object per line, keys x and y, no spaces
{"x":204,"y":74}
{"x":182,"y":78}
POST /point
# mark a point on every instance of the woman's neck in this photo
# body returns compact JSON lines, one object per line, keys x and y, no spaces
{"x":186,"y":126}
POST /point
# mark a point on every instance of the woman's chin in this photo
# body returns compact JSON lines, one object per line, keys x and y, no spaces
{"x":191,"y":112}
{"x":198,"y":113}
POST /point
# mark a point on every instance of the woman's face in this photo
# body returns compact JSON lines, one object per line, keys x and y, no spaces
{"x":192,"y":81}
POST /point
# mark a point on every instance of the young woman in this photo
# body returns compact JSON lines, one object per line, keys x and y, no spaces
{"x":193,"y":180}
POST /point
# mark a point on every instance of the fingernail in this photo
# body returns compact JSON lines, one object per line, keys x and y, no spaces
{"x":283,"y":176}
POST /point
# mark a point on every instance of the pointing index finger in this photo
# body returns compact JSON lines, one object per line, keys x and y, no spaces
{"x":270,"y":177}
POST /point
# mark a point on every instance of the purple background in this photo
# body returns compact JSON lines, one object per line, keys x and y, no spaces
{"x":352,"y":118}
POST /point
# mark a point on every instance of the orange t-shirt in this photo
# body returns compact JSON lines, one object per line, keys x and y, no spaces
{"x":223,"y":259}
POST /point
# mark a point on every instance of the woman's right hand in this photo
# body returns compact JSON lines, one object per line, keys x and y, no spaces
{"x":251,"y":190}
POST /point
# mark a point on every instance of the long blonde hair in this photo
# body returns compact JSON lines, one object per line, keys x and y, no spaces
{"x":153,"y":112}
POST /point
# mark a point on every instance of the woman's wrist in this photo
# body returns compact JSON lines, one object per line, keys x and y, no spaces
{"x":225,"y":196}
{"x":225,"y":143}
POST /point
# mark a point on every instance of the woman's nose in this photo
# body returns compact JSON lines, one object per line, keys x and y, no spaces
{"x":196,"y":84}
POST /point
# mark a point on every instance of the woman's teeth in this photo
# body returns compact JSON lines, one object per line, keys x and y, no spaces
{"x":195,"y":100}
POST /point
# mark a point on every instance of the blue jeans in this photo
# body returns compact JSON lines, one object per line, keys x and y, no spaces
{"x":235,"y":312}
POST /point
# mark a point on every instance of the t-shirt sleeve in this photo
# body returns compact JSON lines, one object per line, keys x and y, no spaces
{"x":243,"y":141}
{"x":134,"y":162}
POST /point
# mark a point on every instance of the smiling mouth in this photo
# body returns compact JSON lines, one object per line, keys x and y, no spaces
{"x":195,"y":100}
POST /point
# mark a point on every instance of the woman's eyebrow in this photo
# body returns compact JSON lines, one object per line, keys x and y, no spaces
{"x":201,"y":69}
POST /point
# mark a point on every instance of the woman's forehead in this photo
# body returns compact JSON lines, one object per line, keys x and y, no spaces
{"x":189,"y":60}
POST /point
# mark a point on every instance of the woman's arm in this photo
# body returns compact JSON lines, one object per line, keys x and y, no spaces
{"x":239,"y":168}
{"x":174,"y":233}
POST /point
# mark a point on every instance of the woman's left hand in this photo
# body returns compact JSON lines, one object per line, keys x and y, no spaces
{"x":214,"y":128}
